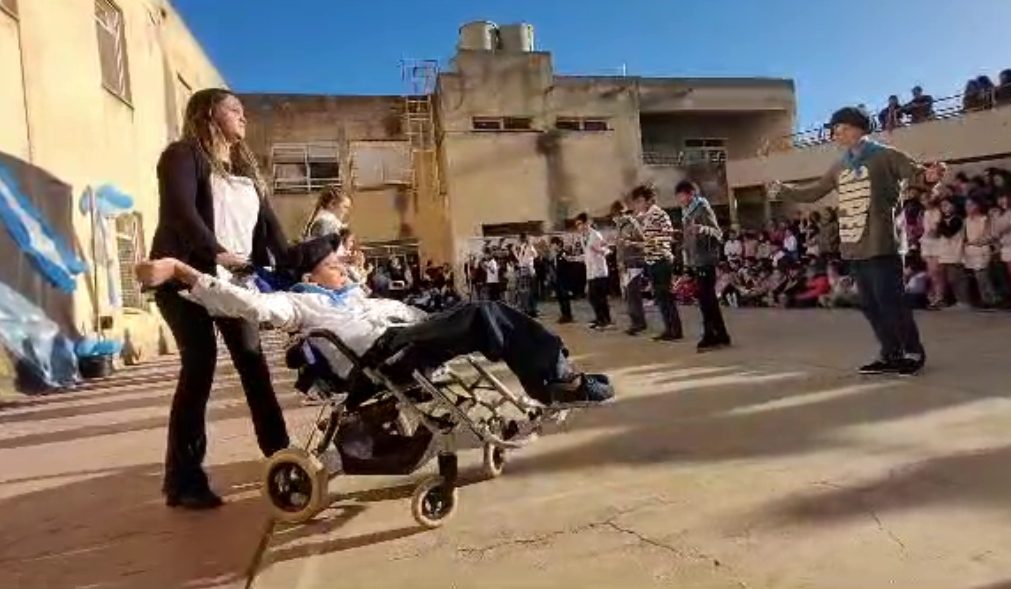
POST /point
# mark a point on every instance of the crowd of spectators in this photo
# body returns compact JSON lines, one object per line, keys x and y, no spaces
{"x":980,"y":93}
{"x":955,"y":238}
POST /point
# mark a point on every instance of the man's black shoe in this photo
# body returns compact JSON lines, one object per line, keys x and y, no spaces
{"x":708,"y":345}
{"x":880,"y":366}
{"x":635,"y":330}
{"x":668,"y":337}
{"x":564,"y":320}
{"x":911,"y":365}
{"x":196,"y":501}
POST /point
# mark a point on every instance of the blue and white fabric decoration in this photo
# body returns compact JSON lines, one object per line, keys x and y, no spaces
{"x":34,"y":236}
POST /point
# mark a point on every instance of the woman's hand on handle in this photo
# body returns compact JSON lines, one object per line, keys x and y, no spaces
{"x":154,"y":273}
{"x":231,"y":261}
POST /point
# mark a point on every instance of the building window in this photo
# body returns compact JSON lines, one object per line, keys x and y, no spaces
{"x":581,"y":124}
{"x":517,"y":123}
{"x":130,"y":251}
{"x":705,"y":150}
{"x":487,"y":124}
{"x":305,"y":167}
{"x":112,"y":48}
{"x":502,"y":123}
{"x":10,"y":7}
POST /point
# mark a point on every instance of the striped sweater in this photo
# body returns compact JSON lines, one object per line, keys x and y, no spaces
{"x":658,"y":235}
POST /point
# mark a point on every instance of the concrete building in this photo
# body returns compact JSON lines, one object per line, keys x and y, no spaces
{"x":514,"y":145}
{"x":92,"y":91}
{"x":970,"y":141}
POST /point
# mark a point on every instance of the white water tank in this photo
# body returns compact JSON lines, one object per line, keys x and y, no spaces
{"x":518,"y":38}
{"x":478,"y":36}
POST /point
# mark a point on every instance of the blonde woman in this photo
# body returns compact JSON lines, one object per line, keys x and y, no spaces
{"x":330,"y":215}
{"x":213,"y":217}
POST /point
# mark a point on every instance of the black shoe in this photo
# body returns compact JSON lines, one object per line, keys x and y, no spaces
{"x":634,"y":330}
{"x":200,"y":500}
{"x":708,"y":345}
{"x":668,"y":337}
{"x":880,"y":366}
{"x":564,"y":320}
{"x":911,"y":364}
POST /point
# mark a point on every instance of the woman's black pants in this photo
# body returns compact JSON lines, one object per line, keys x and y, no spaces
{"x":193,"y":330}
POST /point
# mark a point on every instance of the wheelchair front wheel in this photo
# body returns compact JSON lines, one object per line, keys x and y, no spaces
{"x":295,"y":485}
{"x":433,"y":502}
{"x":494,"y":460}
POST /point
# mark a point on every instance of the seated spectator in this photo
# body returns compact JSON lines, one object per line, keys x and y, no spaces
{"x":791,"y":245}
{"x":684,"y":289}
{"x":917,"y":283}
{"x":791,"y":284}
{"x":828,"y":234}
{"x":815,"y":287}
{"x":733,"y":249}
{"x":890,"y":117}
{"x":842,"y":289}
{"x":749,"y":245}
{"x":778,"y":255}
{"x":978,"y":94}
{"x":1000,"y":181}
{"x":1002,"y":93}
{"x":726,"y":284}
{"x":980,"y":190}
{"x":920,"y":108}
{"x":812,"y":241}
{"x":764,"y":248}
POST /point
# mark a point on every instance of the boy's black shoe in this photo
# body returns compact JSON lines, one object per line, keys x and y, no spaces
{"x":911,"y":364}
{"x":880,"y":366}
{"x":198,"y":500}
{"x":668,"y":337}
{"x":710,"y":344}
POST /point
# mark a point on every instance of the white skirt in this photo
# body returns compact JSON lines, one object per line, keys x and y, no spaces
{"x":930,"y":247}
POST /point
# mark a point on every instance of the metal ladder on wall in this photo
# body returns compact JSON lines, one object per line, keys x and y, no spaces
{"x":420,"y":77}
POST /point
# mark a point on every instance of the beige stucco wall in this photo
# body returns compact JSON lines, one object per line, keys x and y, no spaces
{"x":507,"y":177}
{"x":85,"y":135}
{"x":13,"y":122}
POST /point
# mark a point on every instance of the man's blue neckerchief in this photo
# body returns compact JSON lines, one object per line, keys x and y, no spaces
{"x":693,"y":206}
{"x":337,"y":297}
{"x":854,"y":158}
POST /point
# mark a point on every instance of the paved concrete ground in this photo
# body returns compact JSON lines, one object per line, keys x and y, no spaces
{"x":767,"y":465}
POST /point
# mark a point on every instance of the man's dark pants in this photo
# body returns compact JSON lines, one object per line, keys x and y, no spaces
{"x":879,"y":281}
{"x":714,"y":330}
{"x":597,"y":291}
{"x":661,"y":273}
{"x":633,"y":299}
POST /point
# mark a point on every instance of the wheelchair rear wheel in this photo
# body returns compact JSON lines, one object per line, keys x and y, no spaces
{"x":434,"y":502}
{"x":295,"y":485}
{"x":494,"y":460}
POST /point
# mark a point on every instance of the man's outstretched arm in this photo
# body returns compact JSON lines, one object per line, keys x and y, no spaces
{"x":807,"y":193}
{"x":221,"y":298}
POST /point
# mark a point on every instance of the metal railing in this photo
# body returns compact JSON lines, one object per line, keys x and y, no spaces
{"x":942,"y":108}
{"x":670,"y":157}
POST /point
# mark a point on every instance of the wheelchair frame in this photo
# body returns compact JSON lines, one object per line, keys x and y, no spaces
{"x":296,"y":479}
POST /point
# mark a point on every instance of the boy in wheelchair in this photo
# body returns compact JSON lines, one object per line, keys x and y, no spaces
{"x":326,"y":298}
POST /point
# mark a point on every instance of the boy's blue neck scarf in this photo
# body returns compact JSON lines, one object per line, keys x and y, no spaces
{"x":854,"y":158}
{"x":696,"y":202}
{"x":337,"y":296}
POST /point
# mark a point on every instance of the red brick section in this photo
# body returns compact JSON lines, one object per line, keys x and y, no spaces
{"x":80,"y":500}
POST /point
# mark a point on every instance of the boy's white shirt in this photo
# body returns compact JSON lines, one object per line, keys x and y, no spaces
{"x":356,"y":319}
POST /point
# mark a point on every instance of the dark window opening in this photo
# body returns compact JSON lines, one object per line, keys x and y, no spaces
{"x":517,"y":123}
{"x":487,"y":124}
{"x":594,"y":125}
{"x":567,"y":124}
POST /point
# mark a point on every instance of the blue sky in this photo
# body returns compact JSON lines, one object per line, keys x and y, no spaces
{"x":837,"y":52}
